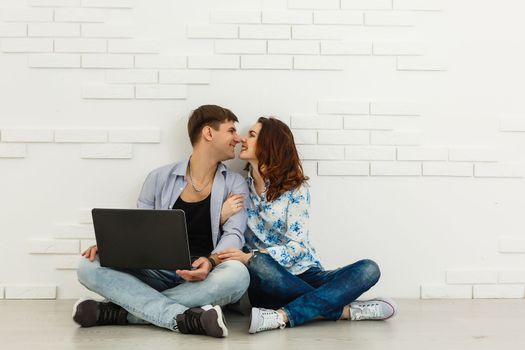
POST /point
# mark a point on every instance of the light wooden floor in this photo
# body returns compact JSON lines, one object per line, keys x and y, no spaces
{"x":421,"y":324}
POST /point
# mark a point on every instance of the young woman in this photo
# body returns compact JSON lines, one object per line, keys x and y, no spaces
{"x":288,"y":283}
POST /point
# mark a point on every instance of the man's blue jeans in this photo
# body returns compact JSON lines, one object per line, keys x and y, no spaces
{"x":158,"y":296}
{"x":311,"y":294}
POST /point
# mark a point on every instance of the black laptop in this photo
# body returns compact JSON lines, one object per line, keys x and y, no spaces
{"x":142,"y":238}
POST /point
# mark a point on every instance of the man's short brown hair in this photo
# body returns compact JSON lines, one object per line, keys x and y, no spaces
{"x":208,"y":115}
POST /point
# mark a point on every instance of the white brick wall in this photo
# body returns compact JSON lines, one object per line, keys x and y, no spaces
{"x":293,"y":47}
{"x":396,"y":48}
{"x":129,"y":76}
{"x":80,"y":45}
{"x":109,"y":3}
{"x":346,"y":137}
{"x":419,"y":63}
{"x":53,"y":3}
{"x":176,"y":92}
{"x":135,"y":136}
{"x":264,"y":32}
{"x":310,"y":152}
{"x":366,"y":4}
{"x":108,"y":92}
{"x":107,"y":151}
{"x":26,"y":45}
{"x":338,"y":17}
{"x":305,"y":137}
{"x":394,"y":108}
{"x":317,"y":32}
{"x":370,"y":153}
{"x":425,"y":153}
{"x":474,"y":155}
{"x":266,"y":62}
{"x":74,"y":231}
{"x":443,"y":291}
{"x":428,"y":5}
{"x":512,"y":245}
{"x":512,"y":124}
{"x":447,"y":169}
{"x":107,"y":61}
{"x":53,"y":29}
{"x":498,"y":170}
{"x":214,"y":62}
{"x":26,"y":15}
{"x":287,"y":17}
{"x":318,"y":63}
{"x":316,"y":122}
{"x":80,"y":135}
{"x":313,"y":4}
{"x":163,"y":62}
{"x":343,"y":107}
{"x":104,"y":30}
{"x":184,"y":77}
{"x":343,"y":168}
{"x":53,"y":61}
{"x":133,"y":46}
{"x":395,"y":169}
{"x":27,"y":135}
{"x":52,"y":246}
{"x":472,"y":276}
{"x":13,"y":30}
{"x":346,"y":48}
{"x":67,"y":262}
{"x":30,"y":292}
{"x":499,"y":291}
{"x":1,"y":292}
{"x":511,"y":276}
{"x":213,"y":31}
{"x":390,"y":18}
{"x":235,"y":17}
{"x":79,"y":15}
{"x":12,"y":150}
{"x":405,"y":138}
{"x":240,"y":46}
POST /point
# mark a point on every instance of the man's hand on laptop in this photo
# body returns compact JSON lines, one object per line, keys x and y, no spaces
{"x":91,"y":252}
{"x":202,"y":268}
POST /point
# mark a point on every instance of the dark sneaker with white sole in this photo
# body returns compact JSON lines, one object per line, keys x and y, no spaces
{"x":378,"y":309}
{"x":89,"y":313}
{"x":207,"y":320}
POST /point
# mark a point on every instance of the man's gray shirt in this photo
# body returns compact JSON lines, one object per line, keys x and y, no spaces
{"x":164,"y":185}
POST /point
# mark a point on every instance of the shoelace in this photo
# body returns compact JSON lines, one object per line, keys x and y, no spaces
{"x":368,"y":311}
{"x":109,"y":314}
{"x":193,"y":323}
{"x":270,"y":319}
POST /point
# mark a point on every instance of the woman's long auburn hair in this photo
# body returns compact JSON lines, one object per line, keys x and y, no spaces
{"x":279,"y":162}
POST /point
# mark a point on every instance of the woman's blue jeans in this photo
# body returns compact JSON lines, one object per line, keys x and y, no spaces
{"x":314,"y":293}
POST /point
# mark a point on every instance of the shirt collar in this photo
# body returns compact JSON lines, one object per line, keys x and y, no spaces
{"x":181,"y":167}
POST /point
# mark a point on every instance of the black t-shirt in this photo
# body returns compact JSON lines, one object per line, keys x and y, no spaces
{"x":198,"y":222}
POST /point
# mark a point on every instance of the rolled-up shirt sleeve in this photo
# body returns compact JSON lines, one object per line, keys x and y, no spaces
{"x":233,"y":229}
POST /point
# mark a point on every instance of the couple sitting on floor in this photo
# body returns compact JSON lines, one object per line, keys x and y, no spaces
{"x":246,"y":234}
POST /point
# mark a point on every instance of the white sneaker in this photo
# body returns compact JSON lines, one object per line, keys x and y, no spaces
{"x":375,"y":309}
{"x":264,"y":320}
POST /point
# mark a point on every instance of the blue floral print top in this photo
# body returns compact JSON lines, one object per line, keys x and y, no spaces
{"x":281,"y":227}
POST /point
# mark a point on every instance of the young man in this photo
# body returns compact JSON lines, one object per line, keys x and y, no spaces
{"x":181,"y":300}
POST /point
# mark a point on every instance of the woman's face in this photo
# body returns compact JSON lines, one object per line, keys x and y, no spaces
{"x":249,"y":143}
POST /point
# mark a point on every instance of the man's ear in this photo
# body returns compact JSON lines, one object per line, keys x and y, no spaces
{"x":207,"y":133}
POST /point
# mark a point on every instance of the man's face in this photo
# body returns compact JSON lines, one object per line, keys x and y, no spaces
{"x":225,"y":139}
